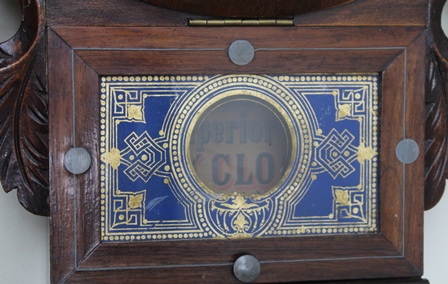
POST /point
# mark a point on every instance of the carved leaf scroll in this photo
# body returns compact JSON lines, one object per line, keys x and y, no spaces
{"x":23,"y":111}
{"x":435,"y":135}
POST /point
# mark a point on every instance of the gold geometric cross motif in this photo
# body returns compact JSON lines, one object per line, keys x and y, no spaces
{"x":238,"y":156}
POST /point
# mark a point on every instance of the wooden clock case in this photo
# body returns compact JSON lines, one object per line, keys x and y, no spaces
{"x":49,"y":77}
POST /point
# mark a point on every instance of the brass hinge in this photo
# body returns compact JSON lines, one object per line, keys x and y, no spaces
{"x":239,"y":22}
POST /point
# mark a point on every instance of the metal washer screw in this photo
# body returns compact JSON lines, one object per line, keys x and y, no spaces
{"x":407,"y":151}
{"x":77,"y":160}
{"x":241,"y":52}
{"x":246,"y":268}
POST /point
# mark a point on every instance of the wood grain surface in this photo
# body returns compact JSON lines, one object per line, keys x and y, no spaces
{"x":395,"y":252}
{"x":138,"y":13}
{"x":401,"y":41}
{"x":248,"y":8}
{"x":24,"y":112}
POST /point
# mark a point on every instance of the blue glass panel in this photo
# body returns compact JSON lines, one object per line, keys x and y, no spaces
{"x":238,"y":156}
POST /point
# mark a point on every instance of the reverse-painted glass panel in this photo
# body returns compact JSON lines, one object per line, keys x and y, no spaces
{"x":238,"y":156}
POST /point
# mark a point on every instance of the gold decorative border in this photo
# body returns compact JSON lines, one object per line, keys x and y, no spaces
{"x":171,"y":133}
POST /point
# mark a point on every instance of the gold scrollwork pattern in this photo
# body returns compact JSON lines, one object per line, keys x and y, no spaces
{"x":240,"y":216}
{"x":149,"y":190}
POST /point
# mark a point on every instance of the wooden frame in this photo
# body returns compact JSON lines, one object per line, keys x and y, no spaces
{"x":78,"y":56}
{"x":49,"y":103}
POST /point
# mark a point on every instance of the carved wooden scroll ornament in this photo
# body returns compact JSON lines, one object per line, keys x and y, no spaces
{"x":436,"y":109}
{"x":23,"y":111}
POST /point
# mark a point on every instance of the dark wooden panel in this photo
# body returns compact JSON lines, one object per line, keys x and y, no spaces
{"x":107,"y":49}
{"x":86,"y":135}
{"x":137,"y":13}
{"x":127,"y":62}
{"x":379,"y":255}
{"x":111,"y":13}
{"x":81,"y":55}
{"x":391,"y":170}
{"x":415,"y":125}
{"x":186,"y":38}
{"x":248,"y":8}
{"x":370,"y":13}
{"x":270,"y":272}
{"x":63,"y":187}
{"x":339,"y":269}
{"x":226,"y":252}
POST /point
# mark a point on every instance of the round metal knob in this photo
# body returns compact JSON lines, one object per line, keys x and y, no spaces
{"x":407,"y":151}
{"x":241,"y":52}
{"x":246,"y":268}
{"x":77,"y":160}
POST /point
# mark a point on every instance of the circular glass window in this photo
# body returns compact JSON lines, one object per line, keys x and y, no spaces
{"x":240,"y":144}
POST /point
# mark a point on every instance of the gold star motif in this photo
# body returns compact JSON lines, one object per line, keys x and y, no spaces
{"x":344,"y":110}
{"x":135,"y":112}
{"x":113,"y":158}
{"x":135,"y":201}
{"x":365,"y":153}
